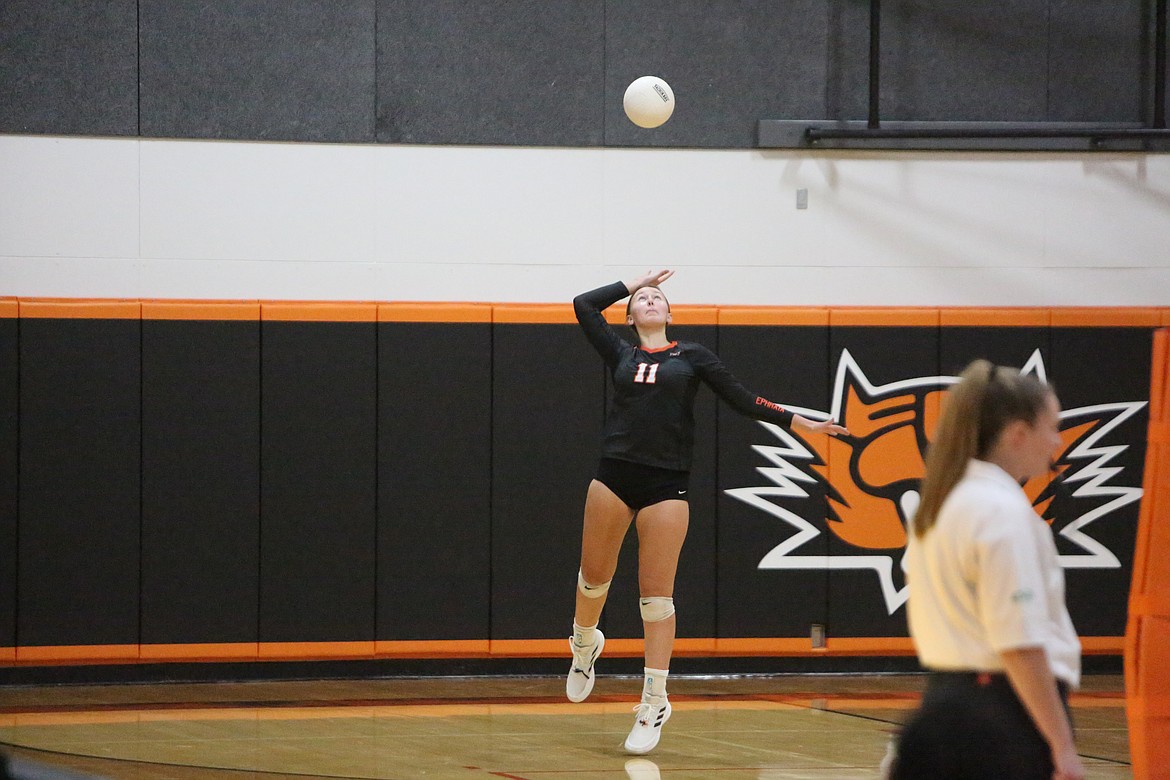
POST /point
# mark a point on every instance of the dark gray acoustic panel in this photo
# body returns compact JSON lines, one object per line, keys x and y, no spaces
{"x":258,"y":69}
{"x":847,"y":60}
{"x":69,"y":67}
{"x":729,"y":63}
{"x":976,"y":60}
{"x":524,"y":72}
{"x":1098,"y":58}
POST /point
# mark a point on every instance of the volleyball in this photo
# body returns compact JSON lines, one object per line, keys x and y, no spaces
{"x":649,"y":101}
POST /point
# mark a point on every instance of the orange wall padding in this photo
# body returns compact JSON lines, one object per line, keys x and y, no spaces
{"x":1147,"y":635}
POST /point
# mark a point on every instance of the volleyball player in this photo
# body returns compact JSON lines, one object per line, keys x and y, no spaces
{"x":644,"y":474}
{"x":986,"y":608}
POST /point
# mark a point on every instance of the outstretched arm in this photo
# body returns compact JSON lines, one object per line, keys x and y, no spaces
{"x":822,"y":426}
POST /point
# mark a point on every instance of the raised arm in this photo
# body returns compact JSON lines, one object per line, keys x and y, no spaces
{"x":588,"y":307}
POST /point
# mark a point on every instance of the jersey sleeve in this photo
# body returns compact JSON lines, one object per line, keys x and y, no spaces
{"x":589,"y":307}
{"x":716,"y":375}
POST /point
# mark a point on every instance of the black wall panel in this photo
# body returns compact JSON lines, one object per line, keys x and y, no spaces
{"x":547,"y":407}
{"x":258,"y":70}
{"x":318,"y":481}
{"x":888,"y":423}
{"x":9,"y":420}
{"x":79,"y":482}
{"x":69,"y":67}
{"x":788,"y":365}
{"x":524,"y":72}
{"x":200,"y":481}
{"x":1098,"y":372}
{"x":434,"y":480}
{"x":729,"y":63}
{"x":1004,"y":346}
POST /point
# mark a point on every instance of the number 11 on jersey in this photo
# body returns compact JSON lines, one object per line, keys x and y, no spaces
{"x":646,"y":376}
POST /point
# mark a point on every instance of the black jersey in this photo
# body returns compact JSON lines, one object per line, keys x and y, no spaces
{"x":651,"y":419}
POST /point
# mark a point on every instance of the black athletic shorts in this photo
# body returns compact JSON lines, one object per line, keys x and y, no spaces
{"x":972,"y":726}
{"x":640,"y":486}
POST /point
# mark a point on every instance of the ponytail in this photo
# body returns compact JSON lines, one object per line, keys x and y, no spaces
{"x":978,"y":408}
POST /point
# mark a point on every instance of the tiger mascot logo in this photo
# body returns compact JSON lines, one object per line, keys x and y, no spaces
{"x":870,"y":480}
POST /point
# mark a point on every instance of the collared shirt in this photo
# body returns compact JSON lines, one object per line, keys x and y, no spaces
{"x":986,"y":578}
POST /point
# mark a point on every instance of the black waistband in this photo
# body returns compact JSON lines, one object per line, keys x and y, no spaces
{"x":983,"y":680}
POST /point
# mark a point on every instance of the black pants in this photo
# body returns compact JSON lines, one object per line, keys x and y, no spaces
{"x":972,"y":726}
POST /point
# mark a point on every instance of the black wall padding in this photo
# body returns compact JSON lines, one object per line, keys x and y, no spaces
{"x":777,"y":363}
{"x":79,"y":482}
{"x":884,"y":355}
{"x":9,"y":420}
{"x":258,"y":70}
{"x":69,"y":67}
{"x":434,"y":481}
{"x":547,"y":407}
{"x":526,"y":72}
{"x":318,"y":475}
{"x":1088,"y":366}
{"x":200,"y":481}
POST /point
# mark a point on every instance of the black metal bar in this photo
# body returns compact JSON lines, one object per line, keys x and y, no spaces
{"x":875,"y":49}
{"x":1160,"y":64}
{"x":814,"y":134}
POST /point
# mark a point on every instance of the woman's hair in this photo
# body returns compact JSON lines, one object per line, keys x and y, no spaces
{"x":630,"y":302}
{"x":978,"y":408}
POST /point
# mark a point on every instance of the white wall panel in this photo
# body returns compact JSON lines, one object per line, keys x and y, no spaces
{"x":475,"y":205}
{"x":210,"y":200}
{"x":389,"y":222}
{"x":68,"y":197}
{"x":71,"y":277}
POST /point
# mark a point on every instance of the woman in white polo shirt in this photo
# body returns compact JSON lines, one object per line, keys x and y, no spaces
{"x":986,"y":608}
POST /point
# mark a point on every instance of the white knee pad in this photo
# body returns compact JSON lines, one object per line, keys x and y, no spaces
{"x":656,"y":608}
{"x":591,"y":591}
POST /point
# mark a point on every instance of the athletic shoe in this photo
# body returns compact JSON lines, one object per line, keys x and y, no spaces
{"x":579,"y":684}
{"x":652,"y":713}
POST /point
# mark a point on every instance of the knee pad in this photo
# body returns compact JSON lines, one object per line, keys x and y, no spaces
{"x":656,"y":608}
{"x":591,"y":591}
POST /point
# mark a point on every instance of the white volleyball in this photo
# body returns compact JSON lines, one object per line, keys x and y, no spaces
{"x":649,"y":101}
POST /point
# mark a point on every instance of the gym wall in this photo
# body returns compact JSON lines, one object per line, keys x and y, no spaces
{"x":253,"y":476}
{"x":266,"y":480}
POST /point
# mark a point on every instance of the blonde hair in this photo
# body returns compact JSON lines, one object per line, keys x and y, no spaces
{"x":978,"y":408}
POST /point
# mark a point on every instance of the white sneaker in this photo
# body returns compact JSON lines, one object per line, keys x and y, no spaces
{"x":579,"y":684}
{"x":652,"y":713}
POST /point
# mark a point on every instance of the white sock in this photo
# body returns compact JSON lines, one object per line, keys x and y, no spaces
{"x":655,"y":683}
{"x":584,"y":635}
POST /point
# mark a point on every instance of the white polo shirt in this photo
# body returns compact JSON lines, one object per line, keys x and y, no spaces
{"x":986,"y":579}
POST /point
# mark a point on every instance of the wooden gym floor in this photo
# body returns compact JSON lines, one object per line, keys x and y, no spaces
{"x":769,"y":728}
